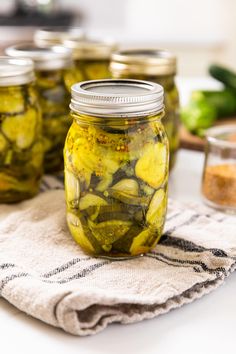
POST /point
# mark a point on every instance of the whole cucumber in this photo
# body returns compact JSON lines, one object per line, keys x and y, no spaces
{"x":226,"y":76}
{"x":205,"y":107}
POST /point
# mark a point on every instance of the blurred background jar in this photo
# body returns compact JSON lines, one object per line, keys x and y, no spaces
{"x":51,"y":36}
{"x":219,"y":175}
{"x":53,"y":79}
{"x":158,"y":66}
{"x":91,"y":58}
{"x":21,"y":146}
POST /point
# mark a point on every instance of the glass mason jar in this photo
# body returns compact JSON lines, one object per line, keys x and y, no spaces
{"x":158,"y":66}
{"x":52,"y":69}
{"x":219,"y":175}
{"x":21,"y":148}
{"x":91,"y":58}
{"x":51,"y":36}
{"x":116,"y":167}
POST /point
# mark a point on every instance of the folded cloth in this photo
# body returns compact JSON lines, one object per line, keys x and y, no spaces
{"x":44,"y":273}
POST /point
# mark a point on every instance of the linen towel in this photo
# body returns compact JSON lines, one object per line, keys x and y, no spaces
{"x":44,"y":273}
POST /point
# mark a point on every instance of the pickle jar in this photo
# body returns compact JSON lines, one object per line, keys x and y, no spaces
{"x":158,"y":66}
{"x":21,"y":147}
{"x":52,"y":69}
{"x":51,"y":36}
{"x":91,"y":58}
{"x":116,"y":167}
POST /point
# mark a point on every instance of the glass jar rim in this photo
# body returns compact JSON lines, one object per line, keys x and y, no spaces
{"x":45,"y":58}
{"x":147,"y":61}
{"x":91,"y":48}
{"x":213,"y":135}
{"x":124,"y":98}
{"x":16,"y":71}
{"x":57,"y":34}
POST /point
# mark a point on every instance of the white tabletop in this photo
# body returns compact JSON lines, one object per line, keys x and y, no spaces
{"x":203,"y":327}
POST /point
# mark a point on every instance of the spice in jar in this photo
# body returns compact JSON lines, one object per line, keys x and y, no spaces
{"x":219,"y":175}
{"x":219,"y":184}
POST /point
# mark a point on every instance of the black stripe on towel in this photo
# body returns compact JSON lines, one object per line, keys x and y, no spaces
{"x":218,"y":271}
{"x":7,"y":265}
{"x":9,"y":278}
{"x":64,"y":267}
{"x":189,"y":246}
{"x":82,"y":274}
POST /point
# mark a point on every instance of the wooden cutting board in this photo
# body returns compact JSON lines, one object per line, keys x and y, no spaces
{"x":192,"y":142}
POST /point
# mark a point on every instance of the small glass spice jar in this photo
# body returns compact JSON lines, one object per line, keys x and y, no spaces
{"x":158,"y":66}
{"x":56,"y":35}
{"x":116,"y":167}
{"x":219,"y":175}
{"x":91,"y":58}
{"x":52,"y":69}
{"x":21,"y":147}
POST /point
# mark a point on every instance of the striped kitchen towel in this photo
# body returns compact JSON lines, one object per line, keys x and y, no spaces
{"x":44,"y":273}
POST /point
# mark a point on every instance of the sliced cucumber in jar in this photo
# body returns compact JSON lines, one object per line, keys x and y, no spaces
{"x":72,"y":187}
{"x":21,"y":129}
{"x":77,"y":231}
{"x":3,"y":143}
{"x":105,"y":182}
{"x":152,"y":165}
{"x":92,"y":203}
{"x":138,"y":245}
{"x":110,"y":231}
{"x":129,"y":199}
{"x":127,"y":185}
{"x":157,"y":209}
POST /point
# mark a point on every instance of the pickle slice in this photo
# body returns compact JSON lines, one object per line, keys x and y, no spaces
{"x":157,"y":208}
{"x":125,"y":242}
{"x":91,"y":200}
{"x":129,"y":199}
{"x":20,"y":129}
{"x":127,"y":185}
{"x":3,"y":143}
{"x":152,"y":165}
{"x":72,"y":188}
{"x":110,"y":231}
{"x":93,"y":203}
{"x":138,"y":244}
{"x":9,"y":183}
{"x":77,"y":232}
{"x":12,"y":102}
{"x":104,"y":183}
{"x":37,"y":155}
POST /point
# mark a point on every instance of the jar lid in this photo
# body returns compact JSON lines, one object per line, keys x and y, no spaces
{"x":143,"y":61}
{"x":50,"y":36}
{"x":52,"y":58}
{"x":91,"y":48}
{"x":16,"y":71}
{"x":117,"y":98}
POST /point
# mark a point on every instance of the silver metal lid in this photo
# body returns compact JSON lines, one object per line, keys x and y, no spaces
{"x":117,"y":98}
{"x":16,"y":71}
{"x":52,"y":58}
{"x":143,"y":61}
{"x":50,"y":36}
